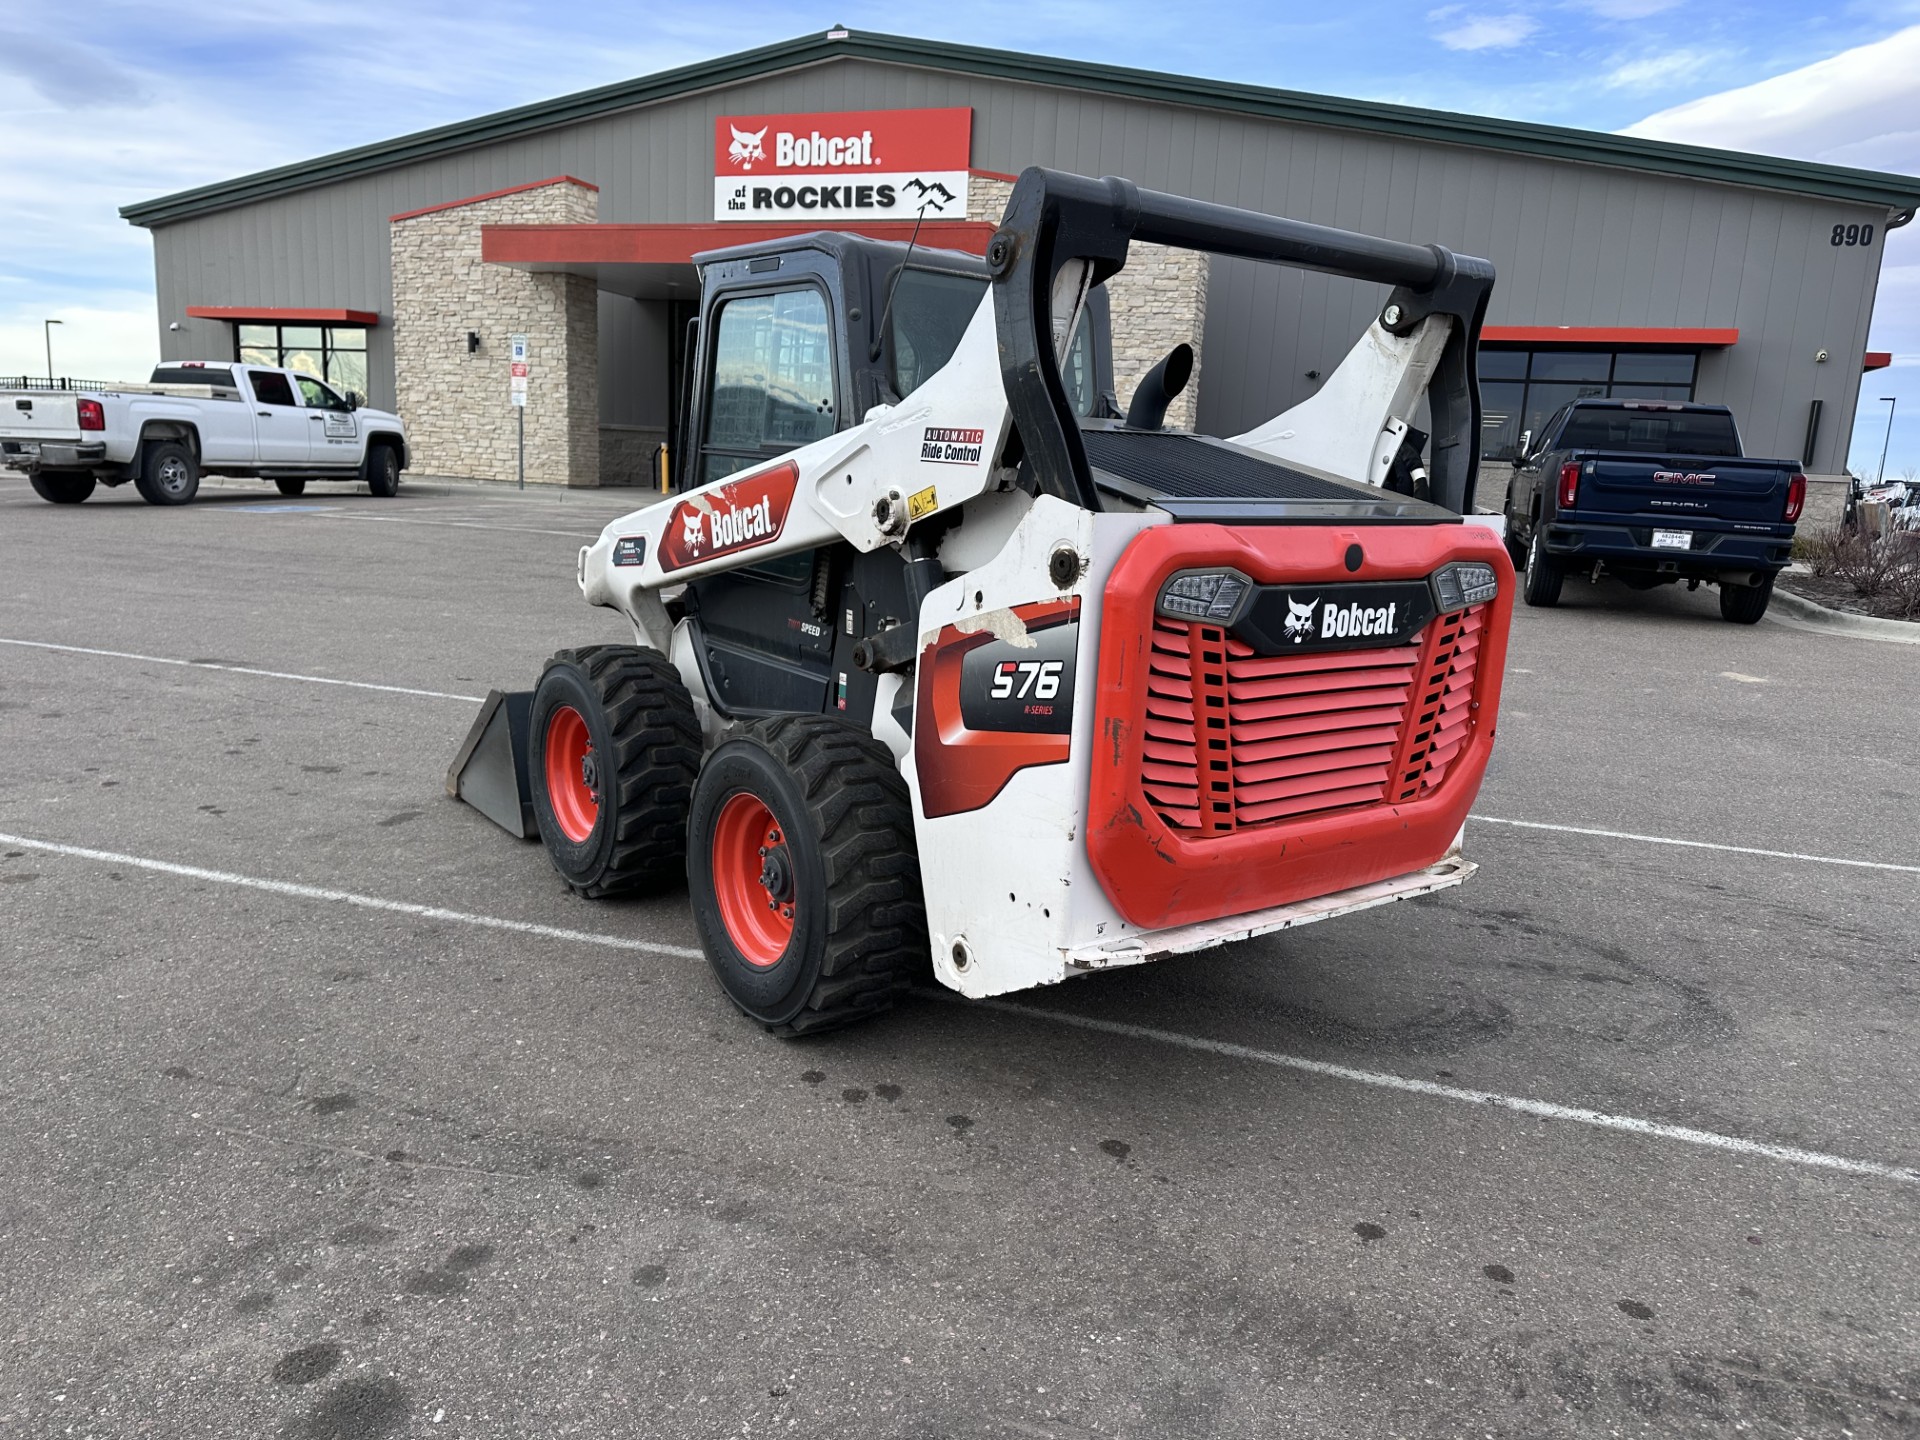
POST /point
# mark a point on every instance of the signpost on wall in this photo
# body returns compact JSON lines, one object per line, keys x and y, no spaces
{"x":517,"y":392}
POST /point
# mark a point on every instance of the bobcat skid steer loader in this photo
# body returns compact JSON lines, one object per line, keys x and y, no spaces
{"x":981,"y":673}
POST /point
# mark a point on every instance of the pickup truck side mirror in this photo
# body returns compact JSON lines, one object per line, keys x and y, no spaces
{"x":1526,"y":439}
{"x":355,"y":399}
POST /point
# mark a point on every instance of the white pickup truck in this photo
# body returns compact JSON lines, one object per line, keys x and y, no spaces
{"x":197,"y":418}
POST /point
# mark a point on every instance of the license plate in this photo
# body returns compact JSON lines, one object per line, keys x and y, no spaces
{"x":1673,"y":539}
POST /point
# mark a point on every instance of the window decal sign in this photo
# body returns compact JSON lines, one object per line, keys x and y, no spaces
{"x":844,"y":165}
{"x":734,"y":515}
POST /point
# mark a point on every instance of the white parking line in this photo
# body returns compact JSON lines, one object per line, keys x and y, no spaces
{"x":1477,"y":819}
{"x":348,"y":897}
{"x":1698,"y":844}
{"x":242,"y":670}
{"x":454,"y":524}
{"x":1545,"y":1109}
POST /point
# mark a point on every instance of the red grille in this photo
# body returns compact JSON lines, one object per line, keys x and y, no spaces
{"x":1236,"y":739}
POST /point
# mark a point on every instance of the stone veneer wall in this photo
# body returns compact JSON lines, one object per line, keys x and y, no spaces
{"x":627,"y":454}
{"x":459,"y":419}
{"x":1159,"y":300}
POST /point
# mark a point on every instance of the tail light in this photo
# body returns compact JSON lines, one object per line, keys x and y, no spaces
{"x":1569,"y":484}
{"x":1796,"y":497}
{"x":93,"y":415}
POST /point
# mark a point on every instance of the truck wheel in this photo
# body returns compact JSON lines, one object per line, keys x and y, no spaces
{"x":61,"y":488}
{"x":168,"y":474}
{"x":1745,"y":604}
{"x":804,"y":875}
{"x":291,"y":487}
{"x":1543,"y":571}
{"x":613,"y":748}
{"x":383,"y":471}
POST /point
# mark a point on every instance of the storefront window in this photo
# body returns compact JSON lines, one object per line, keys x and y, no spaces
{"x":335,"y":354}
{"x":1520,"y":389}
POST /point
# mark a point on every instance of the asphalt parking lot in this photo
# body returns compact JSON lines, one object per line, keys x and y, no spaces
{"x":315,"y":1124}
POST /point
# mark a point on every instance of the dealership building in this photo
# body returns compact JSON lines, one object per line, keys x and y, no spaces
{"x":537,"y":265}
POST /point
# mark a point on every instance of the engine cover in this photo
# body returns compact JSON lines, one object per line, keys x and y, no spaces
{"x":1288,"y":711}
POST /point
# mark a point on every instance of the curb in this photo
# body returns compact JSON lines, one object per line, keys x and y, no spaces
{"x":1805,"y":614}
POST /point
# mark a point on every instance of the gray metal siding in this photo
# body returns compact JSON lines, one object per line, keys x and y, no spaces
{"x":1573,"y":244}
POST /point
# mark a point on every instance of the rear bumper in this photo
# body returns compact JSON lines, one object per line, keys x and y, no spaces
{"x":1204,"y":934}
{"x":52,"y":455}
{"x":1628,"y":547}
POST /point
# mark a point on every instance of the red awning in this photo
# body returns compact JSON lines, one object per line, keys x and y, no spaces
{"x":1877,"y":360}
{"x":560,"y":245}
{"x":282,"y":315}
{"x":655,"y":262}
{"x":1609,"y":337}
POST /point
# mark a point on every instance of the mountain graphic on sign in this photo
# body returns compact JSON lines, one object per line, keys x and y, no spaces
{"x":927,"y":192}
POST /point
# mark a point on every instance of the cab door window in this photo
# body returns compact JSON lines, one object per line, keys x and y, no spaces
{"x":318,"y":396}
{"x":271,"y":388}
{"x":773,"y":387}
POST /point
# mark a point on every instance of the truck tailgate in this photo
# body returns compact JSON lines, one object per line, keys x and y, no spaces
{"x":34,"y":415}
{"x":1754,"y":491}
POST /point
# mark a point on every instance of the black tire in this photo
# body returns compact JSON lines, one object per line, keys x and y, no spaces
{"x":841,"y":869}
{"x":383,"y":471}
{"x":291,"y":487}
{"x":169,"y":474}
{"x":1745,"y":604}
{"x":61,"y":487}
{"x":1543,"y":571}
{"x":636,"y":712}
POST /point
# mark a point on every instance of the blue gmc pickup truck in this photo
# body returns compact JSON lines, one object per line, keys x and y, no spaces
{"x":1651,"y":492}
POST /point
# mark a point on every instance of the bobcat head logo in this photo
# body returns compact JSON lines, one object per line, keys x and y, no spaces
{"x":746,"y":147}
{"x":1299,"y":619}
{"x":693,"y":530}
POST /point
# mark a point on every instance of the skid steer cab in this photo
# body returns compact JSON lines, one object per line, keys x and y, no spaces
{"x":943,"y":664}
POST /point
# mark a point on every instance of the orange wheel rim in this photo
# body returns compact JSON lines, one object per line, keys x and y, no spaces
{"x":573,"y":774}
{"x":753,"y":880}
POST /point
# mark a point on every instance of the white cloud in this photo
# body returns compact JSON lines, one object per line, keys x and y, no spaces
{"x":1855,"y":108}
{"x":1482,"y":32}
{"x":1862,"y":102}
{"x":1653,"y":72}
{"x":1627,"y":9}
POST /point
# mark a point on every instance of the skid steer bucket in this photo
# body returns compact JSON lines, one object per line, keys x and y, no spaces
{"x":490,"y":772}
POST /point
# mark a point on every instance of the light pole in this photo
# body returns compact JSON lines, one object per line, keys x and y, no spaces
{"x":1892,"y":403}
{"x":46,"y":328}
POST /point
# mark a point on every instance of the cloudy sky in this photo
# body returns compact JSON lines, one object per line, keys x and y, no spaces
{"x":125,"y":101}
